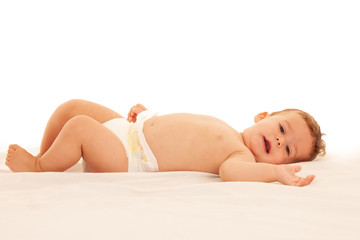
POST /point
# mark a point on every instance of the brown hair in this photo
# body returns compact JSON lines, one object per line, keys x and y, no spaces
{"x":319,"y":146}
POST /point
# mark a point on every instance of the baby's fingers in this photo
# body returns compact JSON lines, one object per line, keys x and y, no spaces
{"x":305,"y":181}
{"x":138,"y":108}
{"x":132,"y":118}
{"x":130,"y":112}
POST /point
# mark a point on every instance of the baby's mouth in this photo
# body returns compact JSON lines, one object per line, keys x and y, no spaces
{"x":267,"y":145}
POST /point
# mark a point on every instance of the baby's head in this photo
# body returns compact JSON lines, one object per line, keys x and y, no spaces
{"x":287,"y":136}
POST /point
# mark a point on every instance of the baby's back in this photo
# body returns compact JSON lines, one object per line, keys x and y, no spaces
{"x":189,"y":142}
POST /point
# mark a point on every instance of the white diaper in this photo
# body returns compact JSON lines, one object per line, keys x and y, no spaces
{"x":140,"y":157}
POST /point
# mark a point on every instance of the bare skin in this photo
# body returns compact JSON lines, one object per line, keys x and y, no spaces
{"x":74,"y":130}
{"x":180,"y":142}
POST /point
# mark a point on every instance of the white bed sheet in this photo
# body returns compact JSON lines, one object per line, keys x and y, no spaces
{"x":180,"y":205}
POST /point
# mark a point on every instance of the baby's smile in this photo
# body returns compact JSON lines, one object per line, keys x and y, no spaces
{"x":267,"y":145}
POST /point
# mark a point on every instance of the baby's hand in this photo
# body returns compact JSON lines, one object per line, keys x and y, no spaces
{"x":286,"y":175}
{"x":134,"y":111}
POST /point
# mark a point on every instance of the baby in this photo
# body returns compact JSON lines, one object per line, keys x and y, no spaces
{"x":176,"y":142}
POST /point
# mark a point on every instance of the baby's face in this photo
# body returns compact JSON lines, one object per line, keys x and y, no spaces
{"x":280,"y":139}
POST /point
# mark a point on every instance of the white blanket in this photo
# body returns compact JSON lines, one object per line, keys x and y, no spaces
{"x":180,"y":205}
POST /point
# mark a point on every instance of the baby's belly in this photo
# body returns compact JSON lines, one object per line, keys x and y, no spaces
{"x":182,"y":146}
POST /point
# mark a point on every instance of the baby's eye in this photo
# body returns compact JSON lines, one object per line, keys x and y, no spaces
{"x":282,"y":130}
{"x":287,"y":150}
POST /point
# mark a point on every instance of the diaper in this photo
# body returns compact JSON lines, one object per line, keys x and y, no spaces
{"x":140,"y":157}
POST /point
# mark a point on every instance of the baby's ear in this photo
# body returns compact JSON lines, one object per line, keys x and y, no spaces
{"x":260,"y":116}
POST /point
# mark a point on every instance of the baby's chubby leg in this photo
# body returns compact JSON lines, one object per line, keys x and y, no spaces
{"x":82,"y":136}
{"x":67,"y":111}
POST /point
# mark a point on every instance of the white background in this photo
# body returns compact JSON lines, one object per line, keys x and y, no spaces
{"x":230,"y":59}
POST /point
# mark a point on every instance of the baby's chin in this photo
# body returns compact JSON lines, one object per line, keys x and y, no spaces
{"x":258,"y":157}
{"x":260,"y":160}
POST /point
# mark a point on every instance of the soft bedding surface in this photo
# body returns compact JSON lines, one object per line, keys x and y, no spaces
{"x":180,"y":205}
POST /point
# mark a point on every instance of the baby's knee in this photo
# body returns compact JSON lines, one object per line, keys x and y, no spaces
{"x":73,"y":102}
{"x":69,"y":107}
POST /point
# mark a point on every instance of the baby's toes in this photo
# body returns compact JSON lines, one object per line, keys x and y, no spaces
{"x":11,"y":149}
{"x":14,"y":146}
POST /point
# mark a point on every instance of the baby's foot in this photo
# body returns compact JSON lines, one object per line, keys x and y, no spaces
{"x":19,"y":160}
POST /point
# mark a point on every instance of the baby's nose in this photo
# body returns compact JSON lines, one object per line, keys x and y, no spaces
{"x":279,"y":141}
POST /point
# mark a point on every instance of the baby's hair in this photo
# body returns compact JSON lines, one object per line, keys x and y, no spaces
{"x":319,"y":146}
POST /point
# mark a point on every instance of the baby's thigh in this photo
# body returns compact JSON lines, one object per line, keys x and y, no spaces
{"x":102,"y":150}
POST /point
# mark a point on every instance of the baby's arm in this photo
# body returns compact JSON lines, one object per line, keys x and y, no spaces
{"x":241,"y":167}
{"x":134,"y":111}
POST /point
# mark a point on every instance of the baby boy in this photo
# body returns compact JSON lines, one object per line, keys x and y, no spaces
{"x":176,"y":142}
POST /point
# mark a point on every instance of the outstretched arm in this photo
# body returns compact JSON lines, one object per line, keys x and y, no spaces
{"x":134,"y":111}
{"x":241,"y":167}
